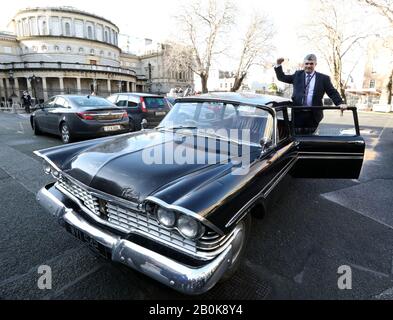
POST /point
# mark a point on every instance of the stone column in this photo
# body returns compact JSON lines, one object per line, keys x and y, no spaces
{"x":61,"y":85}
{"x":29,"y":88}
{"x":2,"y":94}
{"x":109,"y":86}
{"x":16,"y":87}
{"x":44,"y":88}
{"x":8,"y":89}
{"x":128,"y":86}
{"x":78,"y":85}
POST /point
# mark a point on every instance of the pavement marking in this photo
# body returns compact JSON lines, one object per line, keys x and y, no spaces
{"x":60,"y":291}
{"x":22,"y":131}
{"x":376,"y":273}
{"x":366,"y":199}
{"x":34,"y":268}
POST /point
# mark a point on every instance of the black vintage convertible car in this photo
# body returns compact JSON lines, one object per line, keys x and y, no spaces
{"x":176,"y":202}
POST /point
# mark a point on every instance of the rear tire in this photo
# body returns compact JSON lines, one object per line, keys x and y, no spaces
{"x":132,"y":125}
{"x":65,"y":133}
{"x":239,"y":246}
{"x":36,"y":129}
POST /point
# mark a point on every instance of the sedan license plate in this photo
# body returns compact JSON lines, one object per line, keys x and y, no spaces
{"x":112,"y":128}
{"x":92,"y":243}
{"x":160,"y":113}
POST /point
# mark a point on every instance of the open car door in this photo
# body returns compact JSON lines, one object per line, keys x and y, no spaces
{"x":334,"y":150}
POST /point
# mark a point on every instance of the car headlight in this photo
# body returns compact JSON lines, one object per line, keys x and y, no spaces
{"x":189,"y":227}
{"x":47,"y":168}
{"x":166,"y":218}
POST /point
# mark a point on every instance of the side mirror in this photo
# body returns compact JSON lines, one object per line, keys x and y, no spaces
{"x":266,"y":143}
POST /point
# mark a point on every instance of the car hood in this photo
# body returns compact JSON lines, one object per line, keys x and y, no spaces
{"x":132,"y":166}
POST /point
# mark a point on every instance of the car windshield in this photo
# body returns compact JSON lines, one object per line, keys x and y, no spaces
{"x":90,"y":101}
{"x":155,"y":102}
{"x":241,"y":123}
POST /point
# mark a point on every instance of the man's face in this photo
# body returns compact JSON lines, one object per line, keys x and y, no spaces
{"x":309,"y":66}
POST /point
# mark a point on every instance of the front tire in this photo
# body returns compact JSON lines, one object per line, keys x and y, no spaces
{"x":36,"y":129}
{"x":65,"y":133}
{"x":239,"y":246}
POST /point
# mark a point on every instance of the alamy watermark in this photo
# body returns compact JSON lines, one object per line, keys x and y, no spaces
{"x":44,"y":281}
{"x":201,"y":146}
{"x":344,"y":281}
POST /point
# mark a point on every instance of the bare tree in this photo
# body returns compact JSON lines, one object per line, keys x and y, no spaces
{"x":336,"y":35}
{"x":256,"y":46}
{"x":203,"y":24}
{"x":385,"y":8}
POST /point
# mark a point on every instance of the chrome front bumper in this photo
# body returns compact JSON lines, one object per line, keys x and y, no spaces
{"x":183,"y":278}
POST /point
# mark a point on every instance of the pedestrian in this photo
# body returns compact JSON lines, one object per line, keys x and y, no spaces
{"x":309,"y":87}
{"x":26,"y":101}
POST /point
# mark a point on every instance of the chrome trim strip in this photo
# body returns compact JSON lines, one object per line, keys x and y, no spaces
{"x":330,"y":157}
{"x":186,"y":211}
{"x":243,"y":210}
{"x":38,"y":154}
{"x":287,"y":168}
{"x":328,"y":153}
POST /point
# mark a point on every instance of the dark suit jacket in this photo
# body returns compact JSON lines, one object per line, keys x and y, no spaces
{"x":322,"y":85}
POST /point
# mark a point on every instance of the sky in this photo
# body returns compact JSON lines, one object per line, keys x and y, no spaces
{"x":153,"y":19}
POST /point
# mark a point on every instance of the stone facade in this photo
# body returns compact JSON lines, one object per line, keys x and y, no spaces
{"x":65,"y":50}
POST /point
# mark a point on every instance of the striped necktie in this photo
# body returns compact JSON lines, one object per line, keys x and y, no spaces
{"x":308,"y":80}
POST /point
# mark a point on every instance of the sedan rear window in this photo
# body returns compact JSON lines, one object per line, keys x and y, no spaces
{"x":91,"y":102}
{"x":155,"y":102}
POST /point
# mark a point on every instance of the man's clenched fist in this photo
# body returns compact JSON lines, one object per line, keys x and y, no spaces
{"x":280,"y":60}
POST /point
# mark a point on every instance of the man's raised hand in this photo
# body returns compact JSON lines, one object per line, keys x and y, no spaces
{"x":280,"y":61}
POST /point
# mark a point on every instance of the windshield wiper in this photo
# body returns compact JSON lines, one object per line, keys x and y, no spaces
{"x":178,"y":127}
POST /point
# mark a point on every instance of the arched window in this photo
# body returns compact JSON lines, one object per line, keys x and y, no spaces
{"x":57,"y":48}
{"x":67,"y":27}
{"x":81,"y":50}
{"x":102,"y":52}
{"x":92,"y":51}
{"x":69,"y":49}
{"x":106,"y":38}
{"x":44,"y":48}
{"x":90,"y":32}
{"x":26,"y":49}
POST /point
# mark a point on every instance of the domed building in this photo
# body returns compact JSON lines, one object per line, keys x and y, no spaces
{"x":63,"y":50}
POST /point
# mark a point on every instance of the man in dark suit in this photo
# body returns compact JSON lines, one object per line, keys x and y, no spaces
{"x":309,"y":87}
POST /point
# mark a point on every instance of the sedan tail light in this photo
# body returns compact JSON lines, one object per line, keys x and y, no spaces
{"x":143,"y":104}
{"x":85,"y":115}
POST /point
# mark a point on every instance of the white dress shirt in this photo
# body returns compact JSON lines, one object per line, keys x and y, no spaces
{"x":310,"y":88}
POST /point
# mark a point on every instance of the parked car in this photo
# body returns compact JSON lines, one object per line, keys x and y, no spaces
{"x":186,"y":223}
{"x":73,"y":116}
{"x":142,"y":107}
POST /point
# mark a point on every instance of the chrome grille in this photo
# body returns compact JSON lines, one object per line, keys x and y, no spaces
{"x":129,"y":219}
{"x":83,"y":195}
{"x":132,"y":220}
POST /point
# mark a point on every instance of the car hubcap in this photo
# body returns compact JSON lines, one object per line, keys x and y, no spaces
{"x":65,"y":133}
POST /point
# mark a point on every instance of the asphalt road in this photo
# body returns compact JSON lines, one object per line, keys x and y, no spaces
{"x":315,"y":227}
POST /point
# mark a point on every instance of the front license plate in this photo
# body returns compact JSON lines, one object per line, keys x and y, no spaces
{"x":92,"y":243}
{"x":112,"y":128}
{"x":160,"y":113}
